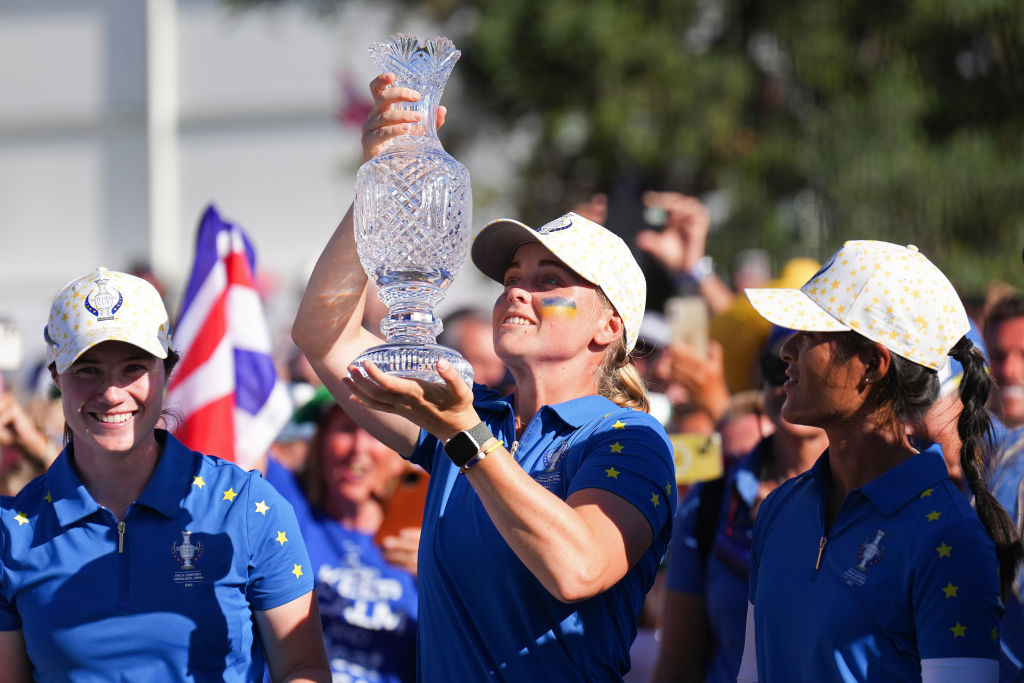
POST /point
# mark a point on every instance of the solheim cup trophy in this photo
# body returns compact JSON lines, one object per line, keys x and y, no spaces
{"x":413,"y":211}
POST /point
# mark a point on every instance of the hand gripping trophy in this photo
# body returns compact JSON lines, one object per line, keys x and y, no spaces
{"x":413,"y":210}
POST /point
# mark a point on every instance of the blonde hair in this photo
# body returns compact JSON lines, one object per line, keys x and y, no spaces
{"x":618,"y":380}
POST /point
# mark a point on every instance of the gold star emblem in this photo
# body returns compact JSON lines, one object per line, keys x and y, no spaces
{"x":995,"y":633}
{"x":198,"y":481}
{"x":933,"y":515}
{"x":943,"y":550}
{"x":48,"y":498}
{"x":616,"y":447}
{"x":950,"y":590}
{"x":20,"y":518}
{"x":619,"y":424}
{"x":959,"y":631}
{"x":230,"y":494}
{"x":281,"y":538}
{"x":655,"y":499}
{"x":297,"y":571}
{"x":612,"y":473}
{"x":262,"y":507}
{"x":668,"y":488}
{"x":926,"y":493}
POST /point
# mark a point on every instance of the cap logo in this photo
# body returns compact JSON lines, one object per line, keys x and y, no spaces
{"x":555,"y":227}
{"x":103,"y":304}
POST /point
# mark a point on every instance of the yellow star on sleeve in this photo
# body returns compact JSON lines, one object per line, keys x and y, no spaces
{"x":281,"y":538}
{"x":959,"y":631}
{"x":619,"y":424}
{"x":198,"y":481}
{"x":262,"y":507}
{"x":230,"y":494}
{"x":297,"y":571}
{"x":20,"y":518}
{"x":612,"y":473}
{"x":943,"y":550}
{"x":995,"y":633}
{"x":616,"y":447}
{"x":655,"y":499}
{"x":48,"y":498}
{"x":933,"y":515}
{"x":926,"y":493}
{"x":950,"y":590}
{"x":668,"y":488}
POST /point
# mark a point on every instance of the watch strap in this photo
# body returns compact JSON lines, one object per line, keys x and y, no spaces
{"x":464,"y":446}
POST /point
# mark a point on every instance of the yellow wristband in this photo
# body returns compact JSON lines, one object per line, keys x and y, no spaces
{"x":479,"y":456}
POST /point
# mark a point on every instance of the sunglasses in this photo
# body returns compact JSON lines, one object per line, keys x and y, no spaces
{"x":773,"y":370}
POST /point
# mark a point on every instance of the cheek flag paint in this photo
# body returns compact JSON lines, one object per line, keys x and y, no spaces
{"x":558,"y":307}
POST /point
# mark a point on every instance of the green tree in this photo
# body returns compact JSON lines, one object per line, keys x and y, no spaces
{"x":815,"y":121}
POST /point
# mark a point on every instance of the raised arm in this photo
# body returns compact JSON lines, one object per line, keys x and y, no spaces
{"x":328,"y":327}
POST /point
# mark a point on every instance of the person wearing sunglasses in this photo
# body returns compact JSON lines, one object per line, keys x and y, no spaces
{"x":705,"y":607}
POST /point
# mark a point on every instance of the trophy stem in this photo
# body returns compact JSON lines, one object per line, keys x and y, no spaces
{"x":410,"y":317}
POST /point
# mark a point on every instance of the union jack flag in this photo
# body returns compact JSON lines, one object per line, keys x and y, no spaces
{"x":225,"y":386}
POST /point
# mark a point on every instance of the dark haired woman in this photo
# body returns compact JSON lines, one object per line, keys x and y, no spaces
{"x":133,"y":557}
{"x":872,"y":566}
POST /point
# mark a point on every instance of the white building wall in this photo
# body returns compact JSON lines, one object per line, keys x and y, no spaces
{"x":245,"y":103}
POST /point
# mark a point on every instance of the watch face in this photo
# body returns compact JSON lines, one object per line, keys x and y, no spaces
{"x":461,"y":448}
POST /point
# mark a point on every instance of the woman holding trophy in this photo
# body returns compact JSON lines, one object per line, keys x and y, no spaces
{"x":549,"y":510}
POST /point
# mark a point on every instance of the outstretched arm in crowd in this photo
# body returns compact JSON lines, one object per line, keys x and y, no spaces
{"x":680,"y":246}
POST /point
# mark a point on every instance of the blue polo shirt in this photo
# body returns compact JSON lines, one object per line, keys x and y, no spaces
{"x":907,"y":573}
{"x":722,"y":580}
{"x":169,"y":597}
{"x":1007,"y":482}
{"x":483,"y":615}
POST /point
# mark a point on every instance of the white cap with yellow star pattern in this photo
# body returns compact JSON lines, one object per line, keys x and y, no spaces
{"x":890,"y":294}
{"x":105,"y":305}
{"x":593,"y":252}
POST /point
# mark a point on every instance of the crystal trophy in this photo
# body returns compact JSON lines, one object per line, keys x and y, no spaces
{"x":413,"y":210}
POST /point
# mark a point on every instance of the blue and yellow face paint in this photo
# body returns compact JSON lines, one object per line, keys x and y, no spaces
{"x":558,"y":307}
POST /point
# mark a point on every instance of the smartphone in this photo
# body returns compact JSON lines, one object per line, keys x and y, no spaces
{"x":698,"y":457}
{"x":11,"y":351}
{"x":688,"y":322}
{"x":405,"y":507}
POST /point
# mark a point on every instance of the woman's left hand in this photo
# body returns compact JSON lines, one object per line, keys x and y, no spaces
{"x":442,"y":409}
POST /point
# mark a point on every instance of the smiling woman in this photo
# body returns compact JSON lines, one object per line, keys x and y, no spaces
{"x":551,"y":507}
{"x":131,"y":554}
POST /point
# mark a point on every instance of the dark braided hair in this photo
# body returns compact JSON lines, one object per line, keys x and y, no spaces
{"x":975,"y":429}
{"x":910,"y":389}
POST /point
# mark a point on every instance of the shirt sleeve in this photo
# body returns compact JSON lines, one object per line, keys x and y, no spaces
{"x":630,"y":455}
{"x":955,"y":593}
{"x":279,"y":566}
{"x":686,"y":567}
{"x":9,"y":618}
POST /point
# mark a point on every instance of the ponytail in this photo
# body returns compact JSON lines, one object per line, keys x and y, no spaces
{"x":619,"y":381}
{"x":974,"y":427}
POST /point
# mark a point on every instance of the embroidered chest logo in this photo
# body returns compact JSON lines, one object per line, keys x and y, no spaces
{"x":103,"y":303}
{"x":551,"y":476}
{"x":187,"y":554}
{"x":871,"y":550}
{"x":550,"y":459}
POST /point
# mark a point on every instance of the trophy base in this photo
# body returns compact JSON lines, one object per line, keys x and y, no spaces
{"x":416,"y":361}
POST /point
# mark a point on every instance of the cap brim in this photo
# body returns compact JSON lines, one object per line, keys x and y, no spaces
{"x":496,"y":243}
{"x":121,"y":334}
{"x":793,"y":309}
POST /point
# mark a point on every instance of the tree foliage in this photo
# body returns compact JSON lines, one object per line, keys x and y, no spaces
{"x":815,"y":121}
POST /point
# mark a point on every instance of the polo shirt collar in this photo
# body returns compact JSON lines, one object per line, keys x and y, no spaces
{"x":578,"y":411}
{"x":73,"y":502}
{"x":895,"y":488}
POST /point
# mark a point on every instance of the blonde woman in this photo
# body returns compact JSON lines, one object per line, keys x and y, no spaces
{"x":549,"y":510}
